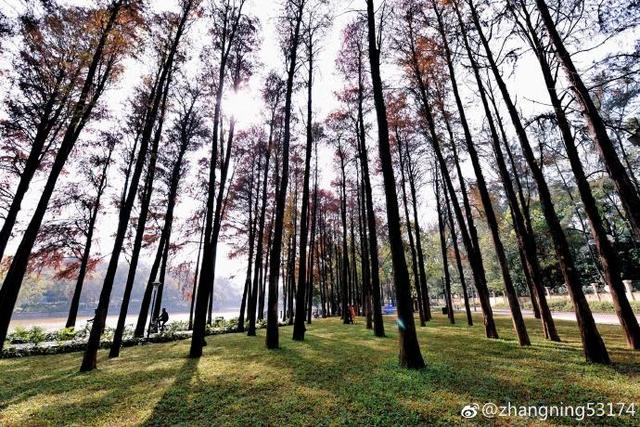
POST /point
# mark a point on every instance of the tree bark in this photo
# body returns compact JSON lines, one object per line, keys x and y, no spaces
{"x":272,"y":338}
{"x":412,"y":246}
{"x":299,"y":327}
{"x":82,"y":110}
{"x":443,"y":250}
{"x":410,"y":355}
{"x":597,"y":128}
{"x":593,"y":346}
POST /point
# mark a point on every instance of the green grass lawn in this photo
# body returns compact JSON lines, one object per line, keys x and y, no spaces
{"x":339,"y":375}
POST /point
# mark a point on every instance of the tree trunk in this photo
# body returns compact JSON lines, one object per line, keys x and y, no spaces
{"x":412,"y":246}
{"x":195,"y":279}
{"x":473,"y":252}
{"x":606,"y":252}
{"x":597,"y":128}
{"x":89,"y":95}
{"x":378,"y":325}
{"x":456,"y":250}
{"x":272,"y":339}
{"x":410,"y":355}
{"x":423,"y":274}
{"x":140,"y":229}
{"x":443,"y":250}
{"x":344,"y":268}
{"x":75,"y":300}
{"x":593,"y":346}
{"x":298,"y":327}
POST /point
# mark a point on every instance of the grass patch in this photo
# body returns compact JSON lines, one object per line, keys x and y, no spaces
{"x":340,"y":375}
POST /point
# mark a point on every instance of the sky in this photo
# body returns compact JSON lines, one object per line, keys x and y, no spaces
{"x":525,"y":80}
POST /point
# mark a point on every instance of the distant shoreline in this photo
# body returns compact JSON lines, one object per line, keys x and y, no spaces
{"x":53,"y":321}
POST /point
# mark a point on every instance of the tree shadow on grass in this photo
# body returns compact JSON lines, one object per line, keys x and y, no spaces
{"x":176,"y":398}
{"x":481,"y":371}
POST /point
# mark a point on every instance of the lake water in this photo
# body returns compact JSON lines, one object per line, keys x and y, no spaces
{"x":55,"y":321}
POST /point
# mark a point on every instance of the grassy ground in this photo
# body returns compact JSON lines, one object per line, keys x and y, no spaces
{"x":338,"y":375}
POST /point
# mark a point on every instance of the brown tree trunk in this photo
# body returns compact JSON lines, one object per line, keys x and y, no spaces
{"x":378,"y":325}
{"x":593,"y":346}
{"x":141,"y":226}
{"x":298,"y":327}
{"x":89,"y":95}
{"x":473,"y":252}
{"x":606,"y":252}
{"x":443,"y":250}
{"x":412,"y":246}
{"x":414,"y":201}
{"x":456,"y":250}
{"x":597,"y":128}
{"x":410,"y":355}
{"x":272,"y":339}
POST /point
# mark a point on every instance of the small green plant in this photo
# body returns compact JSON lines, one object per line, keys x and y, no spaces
{"x":19,"y":336}
{"x":176,"y":326}
{"x":37,"y":335}
{"x":65,"y":334}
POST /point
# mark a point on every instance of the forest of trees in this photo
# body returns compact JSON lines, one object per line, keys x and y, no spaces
{"x":434,"y":177}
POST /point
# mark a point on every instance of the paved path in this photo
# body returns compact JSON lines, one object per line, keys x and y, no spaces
{"x":603,"y":318}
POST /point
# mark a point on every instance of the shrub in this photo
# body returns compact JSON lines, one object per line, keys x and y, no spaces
{"x":37,"y":335}
{"x":176,"y":326}
{"x":65,"y":334}
{"x":19,"y":336}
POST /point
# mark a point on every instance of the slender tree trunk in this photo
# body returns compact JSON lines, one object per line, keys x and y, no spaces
{"x":473,"y":252}
{"x":75,"y":300}
{"x":298,"y":327}
{"x":345,"y":252}
{"x":253,"y":207}
{"x":412,"y":246}
{"x":423,"y":274}
{"x":410,"y":355}
{"x":364,"y":250}
{"x":195,"y":279}
{"x":314,"y":247}
{"x":597,"y":128}
{"x":272,"y":339}
{"x":456,"y":250}
{"x":593,"y":346}
{"x":607,"y":255}
{"x":89,"y":95}
{"x":443,"y":251}
{"x":140,"y":229}
{"x":378,"y":325}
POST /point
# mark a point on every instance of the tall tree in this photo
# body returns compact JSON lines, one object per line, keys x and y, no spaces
{"x":186,"y":134}
{"x":99,"y":185}
{"x":228,"y":18}
{"x":422,"y":71}
{"x":315,"y":22}
{"x":410,"y":355}
{"x":352,"y":64}
{"x":113,"y":29}
{"x":272,"y":95}
{"x":628,"y":193}
{"x":292,"y":20}
{"x":593,"y":346}
{"x":158,"y":90}
{"x":48,"y":75}
{"x":607,"y":257}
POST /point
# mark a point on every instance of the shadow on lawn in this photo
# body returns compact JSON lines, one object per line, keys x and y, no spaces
{"x":338,"y":375}
{"x":176,"y":398}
